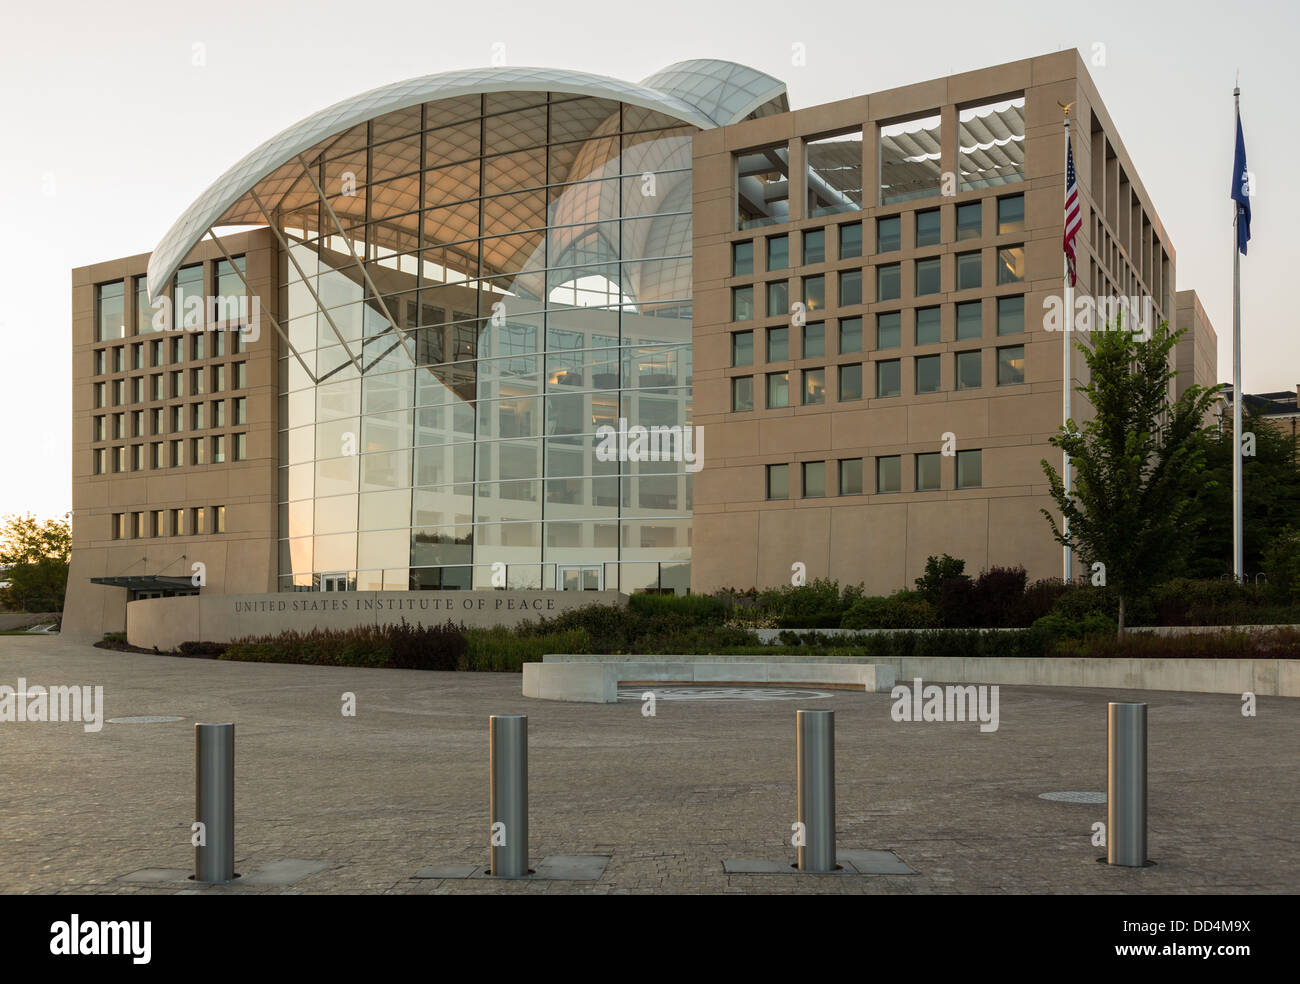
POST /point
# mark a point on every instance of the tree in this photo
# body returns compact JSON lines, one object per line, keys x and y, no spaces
{"x":36,"y":555}
{"x":1133,"y":463}
{"x":1270,"y":496}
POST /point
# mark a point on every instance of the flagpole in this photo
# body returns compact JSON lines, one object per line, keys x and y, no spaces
{"x":1066,"y":564}
{"x":1238,"y":397}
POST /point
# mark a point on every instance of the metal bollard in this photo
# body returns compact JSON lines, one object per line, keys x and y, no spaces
{"x":1126,"y":786}
{"x":815,"y":751}
{"x":508,"y":795}
{"x":214,"y":801}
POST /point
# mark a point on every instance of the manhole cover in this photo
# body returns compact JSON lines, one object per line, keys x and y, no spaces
{"x":145,"y":719}
{"x":1074,"y":797}
{"x":722,"y":693}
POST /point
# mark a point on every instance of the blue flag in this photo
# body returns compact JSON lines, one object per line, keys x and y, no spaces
{"x":1241,"y":190}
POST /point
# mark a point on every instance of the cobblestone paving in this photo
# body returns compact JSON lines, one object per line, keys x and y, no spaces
{"x":403,"y":785}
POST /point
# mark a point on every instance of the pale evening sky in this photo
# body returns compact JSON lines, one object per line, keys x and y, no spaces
{"x":111,"y":131}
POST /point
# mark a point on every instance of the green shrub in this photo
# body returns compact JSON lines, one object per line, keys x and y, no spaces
{"x":114,"y":637}
{"x":499,"y":649}
{"x":202,"y":649}
{"x":1282,"y":565}
{"x":938,"y":570}
{"x":701,"y":607}
{"x":1055,"y":626}
{"x":403,"y":646}
{"x":1281,"y":643}
{"x":902,"y":610}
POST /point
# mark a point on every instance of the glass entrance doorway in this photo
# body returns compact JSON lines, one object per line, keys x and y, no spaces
{"x":580,"y":578}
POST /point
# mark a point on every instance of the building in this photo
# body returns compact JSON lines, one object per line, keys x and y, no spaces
{"x":441,"y":297}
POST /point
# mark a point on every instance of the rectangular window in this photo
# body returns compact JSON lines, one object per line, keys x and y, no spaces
{"x":119,"y":355}
{"x":833,"y":173}
{"x":239,"y":375}
{"x":198,"y":520}
{"x":968,"y":370}
{"x":814,"y":246}
{"x":742,"y":259}
{"x":99,"y":362}
{"x":197,"y":417}
{"x":969,"y":470}
{"x":888,"y":282}
{"x":178,"y":522}
{"x":110,"y":308}
{"x":814,"y":387}
{"x":137,"y":423}
{"x":240,"y":414}
{"x":778,"y":481}
{"x":198,"y":451}
{"x":178,"y":349}
{"x":157,"y":525}
{"x":927,"y":228}
{"x":178,"y":454}
{"x":927,"y":276}
{"x":889,"y":329}
{"x":742,"y":394}
{"x":156,"y":455}
{"x":187,"y":289}
{"x":850,"y":287}
{"x":814,"y":340}
{"x":219,"y":449}
{"x":1011,"y":365}
{"x":218,"y":519}
{"x":851,"y":382}
{"x":778,"y":390}
{"x":778,"y":344}
{"x":218,"y":344}
{"x":742,"y":303}
{"x":137,"y":457}
{"x":814,"y":479}
{"x":889,"y":473}
{"x":778,"y":298}
{"x":1011,"y":264}
{"x":850,"y":476}
{"x":218,"y":378}
{"x":850,"y":240}
{"x":100,"y":396}
{"x":928,"y":470}
{"x":197,"y":346}
{"x":742,"y":348}
{"x":1011,"y":315}
{"x":928,"y":326}
{"x":1001,"y":162}
{"x":1011,"y":214}
{"x":143,"y":309}
{"x":156,"y":389}
{"x":196,"y":382}
{"x":156,"y":426}
{"x":117,"y":392}
{"x":118,"y":527}
{"x":137,"y":389}
{"x":850,"y":335}
{"x":968,"y":270}
{"x":98,"y":429}
{"x":240,"y":449}
{"x":889,"y":236}
{"x":156,"y":353}
{"x":927,"y":373}
{"x":889,"y":376}
{"x":907,"y":171}
{"x":778,"y":252}
{"x":137,"y":356}
{"x":970,"y":320}
{"x":138,"y":528}
{"x":970,"y":219}
{"x":814,"y":292}
{"x":218,"y":413}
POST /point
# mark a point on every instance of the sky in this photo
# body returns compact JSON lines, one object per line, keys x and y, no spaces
{"x":116,"y":116}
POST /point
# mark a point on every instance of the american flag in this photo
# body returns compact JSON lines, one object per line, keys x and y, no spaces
{"x":1072,"y":217}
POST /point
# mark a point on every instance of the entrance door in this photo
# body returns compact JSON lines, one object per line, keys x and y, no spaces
{"x":580,"y":578}
{"x":333,"y":582}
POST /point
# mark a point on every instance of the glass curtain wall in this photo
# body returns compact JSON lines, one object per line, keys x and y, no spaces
{"x":527,"y":278}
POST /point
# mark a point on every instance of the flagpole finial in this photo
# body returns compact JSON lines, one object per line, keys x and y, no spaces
{"x":1065,"y":107}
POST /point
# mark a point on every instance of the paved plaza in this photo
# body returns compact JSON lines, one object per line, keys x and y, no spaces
{"x":403,"y":785}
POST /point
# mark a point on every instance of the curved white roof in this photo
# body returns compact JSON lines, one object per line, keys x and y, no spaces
{"x":705,"y":93}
